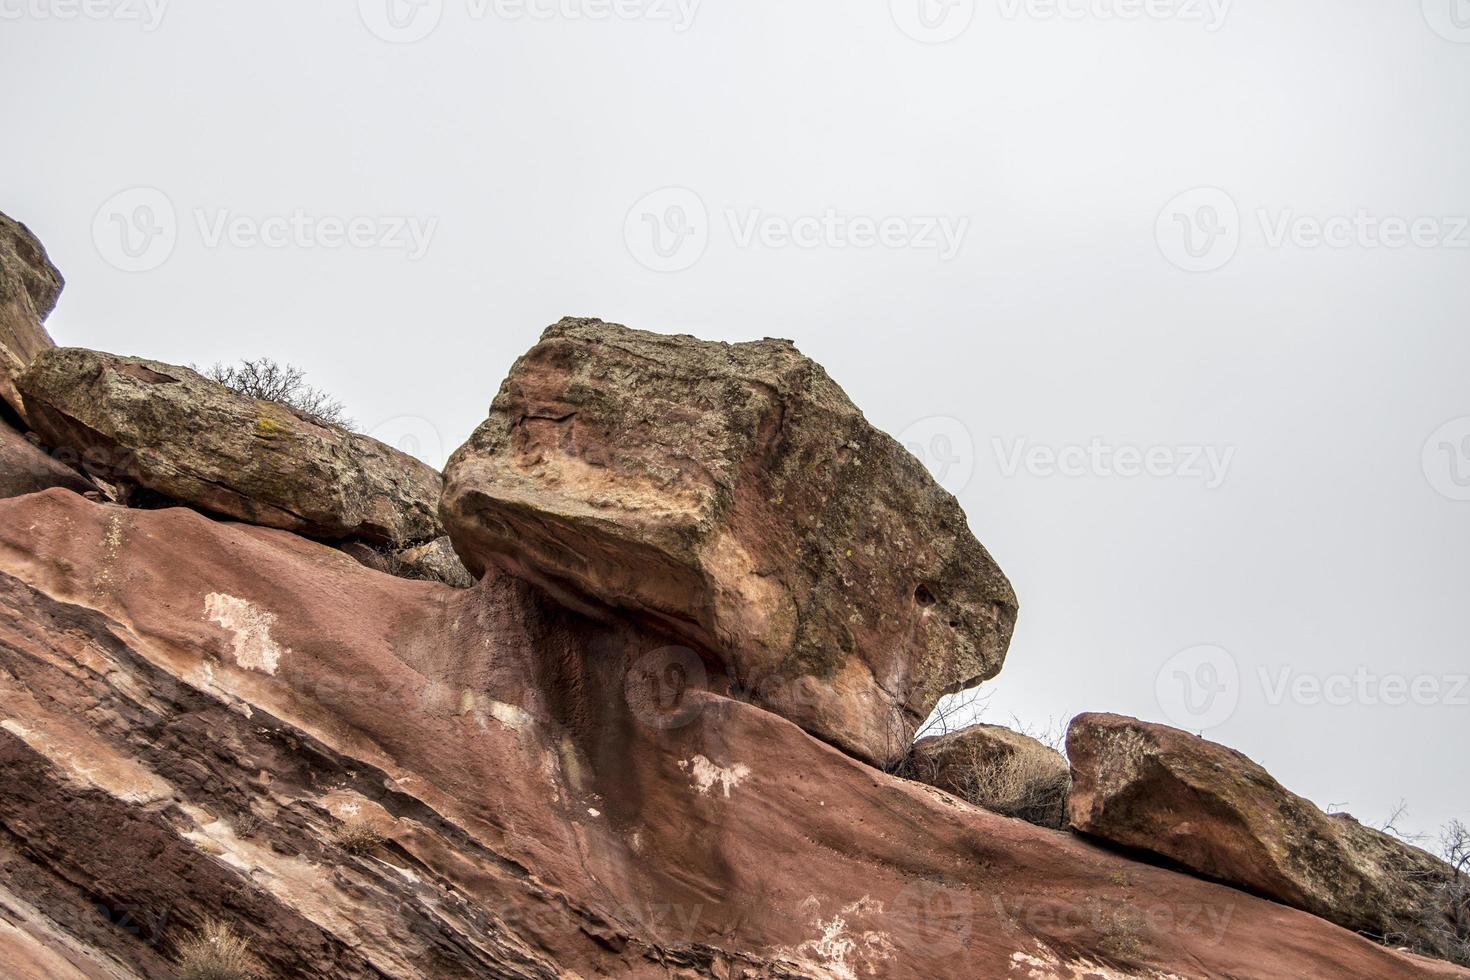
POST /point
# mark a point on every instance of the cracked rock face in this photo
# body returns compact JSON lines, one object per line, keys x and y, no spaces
{"x":732,"y":495}
{"x":193,"y":711}
{"x":170,"y":431}
{"x":29,"y":289}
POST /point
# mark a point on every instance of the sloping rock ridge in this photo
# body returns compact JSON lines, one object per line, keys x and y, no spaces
{"x":733,"y":495}
{"x":1216,"y":812}
{"x":166,"y":429}
{"x":194,"y":710}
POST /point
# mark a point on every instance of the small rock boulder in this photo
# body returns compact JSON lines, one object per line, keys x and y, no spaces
{"x":1217,"y":813}
{"x":26,"y":468}
{"x":170,"y":431}
{"x":29,"y":288}
{"x":996,"y":768}
{"x":732,"y":494}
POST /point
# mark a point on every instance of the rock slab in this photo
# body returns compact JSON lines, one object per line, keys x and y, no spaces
{"x":167,"y":429}
{"x":1216,"y":812}
{"x":193,"y":710}
{"x":733,"y":495}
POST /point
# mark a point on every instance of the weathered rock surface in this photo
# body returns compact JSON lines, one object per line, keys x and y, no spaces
{"x":731,"y":493}
{"x":26,"y":468}
{"x":29,"y":288}
{"x":1216,"y":812}
{"x":997,"y":768}
{"x":169,"y":430}
{"x":190,"y":710}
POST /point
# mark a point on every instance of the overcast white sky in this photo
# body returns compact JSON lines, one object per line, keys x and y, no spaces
{"x":1012,"y":230}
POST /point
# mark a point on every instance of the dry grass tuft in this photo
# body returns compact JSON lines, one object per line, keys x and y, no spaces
{"x":216,"y":952}
{"x":358,"y":838}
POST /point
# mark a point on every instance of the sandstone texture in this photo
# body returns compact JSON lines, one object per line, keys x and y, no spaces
{"x":191,"y":710}
{"x":997,"y":768}
{"x":1216,"y":812}
{"x":167,"y":430}
{"x":29,"y":288}
{"x":26,"y":468}
{"x":732,"y":495}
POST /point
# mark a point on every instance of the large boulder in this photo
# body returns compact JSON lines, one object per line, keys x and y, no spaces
{"x":1216,"y":812}
{"x":732,"y":494}
{"x":26,"y":468}
{"x":997,"y":768}
{"x":199,"y":717}
{"x":170,"y":431}
{"x":29,"y":288}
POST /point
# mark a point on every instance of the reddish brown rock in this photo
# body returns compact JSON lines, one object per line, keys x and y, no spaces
{"x":733,"y":495}
{"x":1216,"y":812}
{"x":29,"y":288}
{"x":26,"y":468}
{"x":191,"y":710}
{"x":997,"y":768}
{"x":168,"y":430}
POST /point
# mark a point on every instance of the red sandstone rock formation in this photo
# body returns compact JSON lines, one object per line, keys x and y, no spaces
{"x":192,"y":710}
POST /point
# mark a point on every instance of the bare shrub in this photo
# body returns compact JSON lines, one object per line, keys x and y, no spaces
{"x":1448,"y":920}
{"x":217,"y":952}
{"x":358,"y":838}
{"x":284,"y":384}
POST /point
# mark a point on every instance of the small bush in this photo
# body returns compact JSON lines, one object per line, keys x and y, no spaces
{"x":217,"y":953}
{"x":285,"y":384}
{"x":357,"y":838}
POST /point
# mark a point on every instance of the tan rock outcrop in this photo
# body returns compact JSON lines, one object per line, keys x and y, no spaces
{"x":193,"y":709}
{"x":997,"y":768}
{"x":168,"y":430}
{"x":1216,"y":812}
{"x":29,"y":288}
{"x":732,"y":495}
